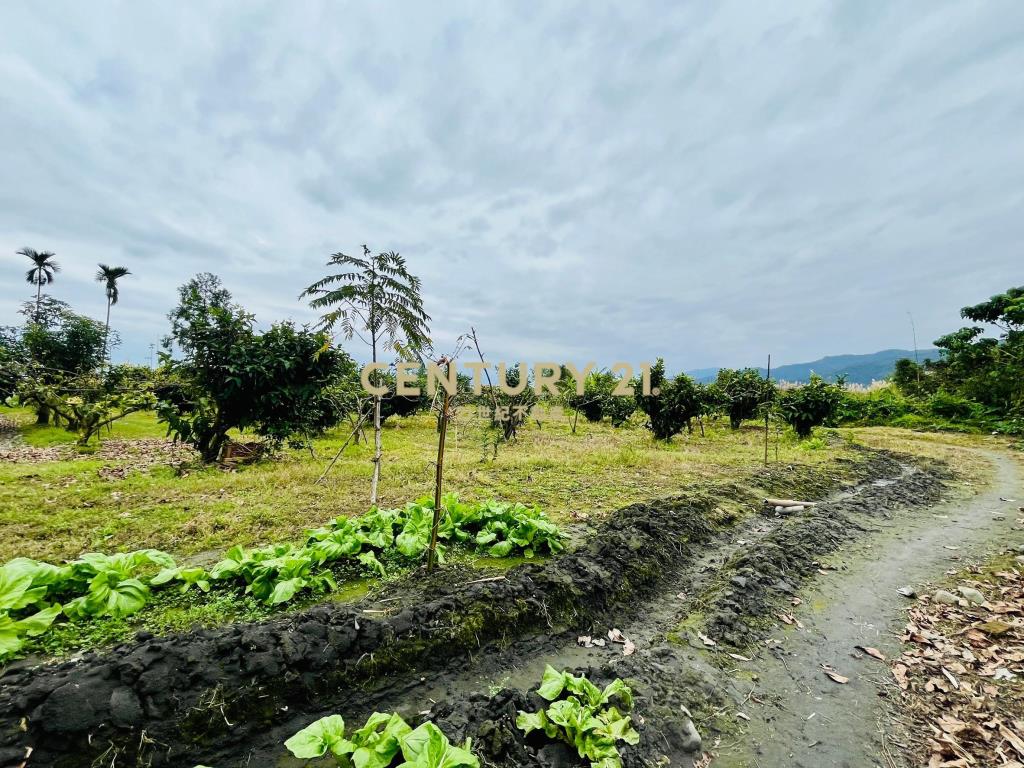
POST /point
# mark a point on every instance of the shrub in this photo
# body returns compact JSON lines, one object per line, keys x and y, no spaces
{"x":678,"y":402}
{"x":277,"y":384}
{"x":811,"y":405}
{"x":741,"y":393}
{"x":599,"y":400}
{"x":947,"y":405}
{"x":878,"y":406}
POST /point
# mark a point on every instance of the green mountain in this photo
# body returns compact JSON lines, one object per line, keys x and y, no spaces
{"x":858,"y":369}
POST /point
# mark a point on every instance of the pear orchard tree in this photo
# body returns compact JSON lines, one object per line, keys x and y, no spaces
{"x":376,"y":299}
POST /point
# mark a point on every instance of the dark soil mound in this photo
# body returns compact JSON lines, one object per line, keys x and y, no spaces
{"x":761,"y":577}
{"x":184,"y":690}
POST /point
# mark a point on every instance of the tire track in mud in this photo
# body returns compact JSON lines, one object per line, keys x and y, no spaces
{"x":465,"y":654}
{"x":803,"y":719}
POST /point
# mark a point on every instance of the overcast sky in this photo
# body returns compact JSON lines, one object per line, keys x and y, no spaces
{"x":708,"y":182}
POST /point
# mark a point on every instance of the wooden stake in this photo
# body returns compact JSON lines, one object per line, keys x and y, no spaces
{"x":359,"y":425}
{"x":767,"y":378}
{"x":487,"y":373}
{"x":442,"y":431}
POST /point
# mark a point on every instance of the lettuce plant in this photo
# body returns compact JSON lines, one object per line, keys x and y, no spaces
{"x":113,"y":584}
{"x":121,"y":584}
{"x":384,"y":739}
{"x":25,"y":583}
{"x":14,"y":631}
{"x":583,"y":716}
{"x":189,"y":577}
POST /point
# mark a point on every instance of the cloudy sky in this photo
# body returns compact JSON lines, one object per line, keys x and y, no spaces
{"x":706,"y":181}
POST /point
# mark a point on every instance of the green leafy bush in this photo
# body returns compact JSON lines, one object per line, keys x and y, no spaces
{"x":583,"y":716}
{"x":599,"y":400}
{"x":277,"y":384}
{"x":677,"y":403}
{"x":947,"y":405}
{"x":741,"y":393}
{"x":878,"y":406}
{"x":810,"y":405}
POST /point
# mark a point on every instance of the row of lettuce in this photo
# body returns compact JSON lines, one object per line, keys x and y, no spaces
{"x":33,"y":594}
{"x":587,"y":718}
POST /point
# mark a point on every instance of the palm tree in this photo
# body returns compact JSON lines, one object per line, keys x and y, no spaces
{"x":375,"y":294}
{"x":43,"y":269}
{"x":110,"y":276}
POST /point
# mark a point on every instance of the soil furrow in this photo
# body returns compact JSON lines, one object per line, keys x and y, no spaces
{"x":465,"y":654}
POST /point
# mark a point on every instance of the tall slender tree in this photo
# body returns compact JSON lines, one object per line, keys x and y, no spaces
{"x":42,"y":272}
{"x":377,"y":296}
{"x":109,"y":277}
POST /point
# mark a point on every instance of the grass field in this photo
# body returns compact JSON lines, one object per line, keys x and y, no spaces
{"x":58,"y":508}
{"x":132,"y":492}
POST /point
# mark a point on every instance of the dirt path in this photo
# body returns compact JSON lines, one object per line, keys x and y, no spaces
{"x":799,"y":717}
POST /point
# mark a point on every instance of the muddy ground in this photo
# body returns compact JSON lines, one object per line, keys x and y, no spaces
{"x":801,"y":717}
{"x":686,"y":592}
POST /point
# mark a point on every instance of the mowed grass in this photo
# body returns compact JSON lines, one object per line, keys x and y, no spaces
{"x":131,"y":427}
{"x":963,"y":453}
{"x":57,"y":509}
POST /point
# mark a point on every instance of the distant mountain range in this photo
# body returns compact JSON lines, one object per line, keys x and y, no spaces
{"x":858,"y":369}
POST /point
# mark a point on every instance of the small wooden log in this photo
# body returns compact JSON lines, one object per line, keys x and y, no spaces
{"x":789,"y":503}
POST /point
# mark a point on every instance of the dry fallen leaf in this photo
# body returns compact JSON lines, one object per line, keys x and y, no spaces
{"x":873,"y":652}
{"x":835,"y":676}
{"x":949,"y":676}
{"x":995,"y":627}
{"x":706,"y":640}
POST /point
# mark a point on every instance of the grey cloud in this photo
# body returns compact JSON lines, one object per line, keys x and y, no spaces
{"x":705,"y":182}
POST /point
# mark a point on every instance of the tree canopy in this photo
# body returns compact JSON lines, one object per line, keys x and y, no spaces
{"x":277,"y":384}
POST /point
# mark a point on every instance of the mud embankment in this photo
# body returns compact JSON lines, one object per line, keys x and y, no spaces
{"x":186,"y":689}
{"x":758,"y":579}
{"x":206,"y":695}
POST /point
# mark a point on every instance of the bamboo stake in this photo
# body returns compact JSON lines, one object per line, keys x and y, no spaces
{"x":767,"y":378}
{"x":442,"y":430}
{"x":341,"y":450}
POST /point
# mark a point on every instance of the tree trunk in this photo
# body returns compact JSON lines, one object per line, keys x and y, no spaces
{"x":106,"y":333}
{"x":42,"y":415}
{"x":39,"y":294}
